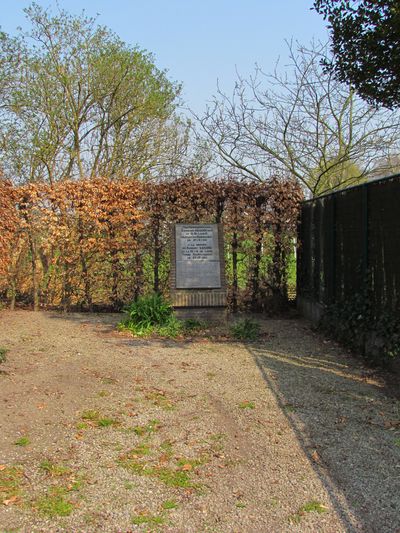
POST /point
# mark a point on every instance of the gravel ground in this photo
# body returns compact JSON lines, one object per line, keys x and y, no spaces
{"x":120,"y":434}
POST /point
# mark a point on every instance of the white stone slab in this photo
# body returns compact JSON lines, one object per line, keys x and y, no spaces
{"x":197,"y":256}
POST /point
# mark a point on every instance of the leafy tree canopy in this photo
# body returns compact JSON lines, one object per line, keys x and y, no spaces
{"x":365,"y":41}
{"x":75,"y":101}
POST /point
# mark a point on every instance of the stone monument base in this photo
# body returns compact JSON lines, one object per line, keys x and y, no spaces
{"x":211,"y":315}
{"x":205,"y":305}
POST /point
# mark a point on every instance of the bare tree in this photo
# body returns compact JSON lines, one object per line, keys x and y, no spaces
{"x":299,"y":121}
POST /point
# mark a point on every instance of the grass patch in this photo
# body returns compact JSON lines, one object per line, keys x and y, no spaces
{"x":247,"y":405}
{"x":159,"y":399}
{"x":93,"y":418}
{"x":313,"y":507}
{"x":216,"y":442}
{"x":167,"y":448}
{"x":169,"y":504}
{"x":172,"y":329}
{"x":148,"y":429}
{"x":217,"y":437}
{"x":289,"y":408}
{"x":174,"y":478}
{"x":90,"y":415}
{"x":55,"y":503}
{"x":108,"y":381}
{"x":192,"y":325}
{"x":169,"y":476}
{"x":106,"y":422}
{"x":193,"y":463}
{"x":397,"y":442}
{"x":22,"y":441}
{"x":53,"y":469}
{"x":76,"y":484}
{"x":309,"y":507}
{"x":134,"y":466}
{"x":150,"y":520}
{"x":240,"y":505}
{"x":176,"y":475}
{"x":3,"y":355}
{"x":11,"y":478}
{"x":245,"y":330}
{"x":140,"y":451}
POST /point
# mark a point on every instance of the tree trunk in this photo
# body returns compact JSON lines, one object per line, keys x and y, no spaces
{"x":115,"y":280}
{"x":255,"y":275}
{"x":279,"y":275}
{"x":157,"y":256}
{"x":66,"y":289}
{"x":15,"y":263}
{"x":86,"y":281}
{"x":12,"y":294}
{"x":85,"y":271}
{"x":35,"y":281}
{"x":139,"y":274}
{"x":235,"y":284}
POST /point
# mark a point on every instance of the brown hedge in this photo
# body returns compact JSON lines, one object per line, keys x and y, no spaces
{"x":99,"y":243}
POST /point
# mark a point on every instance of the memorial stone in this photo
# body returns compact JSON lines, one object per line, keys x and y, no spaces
{"x":198,"y":284}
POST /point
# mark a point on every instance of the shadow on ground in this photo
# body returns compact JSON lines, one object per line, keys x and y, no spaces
{"x":345,"y":420}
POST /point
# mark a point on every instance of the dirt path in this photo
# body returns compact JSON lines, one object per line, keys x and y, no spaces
{"x":117,"y":435}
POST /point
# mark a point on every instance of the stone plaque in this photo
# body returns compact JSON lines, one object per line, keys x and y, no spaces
{"x":198,"y":264}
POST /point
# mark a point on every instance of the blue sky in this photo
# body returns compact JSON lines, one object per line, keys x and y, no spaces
{"x":198,"y":41}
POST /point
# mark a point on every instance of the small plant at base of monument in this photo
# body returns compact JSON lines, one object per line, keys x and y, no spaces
{"x":151,"y":314}
{"x":172,"y":328}
{"x":193,"y":325}
{"x":245,"y":330}
{"x":150,"y":310}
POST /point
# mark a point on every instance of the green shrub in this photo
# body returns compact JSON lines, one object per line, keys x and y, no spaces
{"x":172,"y":328}
{"x":150,"y":310}
{"x":151,"y":314}
{"x":245,"y":329}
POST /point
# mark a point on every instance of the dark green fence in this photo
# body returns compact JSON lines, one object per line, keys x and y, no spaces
{"x":349,"y":242}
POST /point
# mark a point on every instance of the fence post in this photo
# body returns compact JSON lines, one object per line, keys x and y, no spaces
{"x":332,"y":281}
{"x":365,"y":230}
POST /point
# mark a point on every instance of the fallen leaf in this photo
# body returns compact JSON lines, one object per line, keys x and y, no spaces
{"x":11,"y":500}
{"x":392,"y":424}
{"x":315,"y":456}
{"x":3,"y":467}
{"x":187,"y":466}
